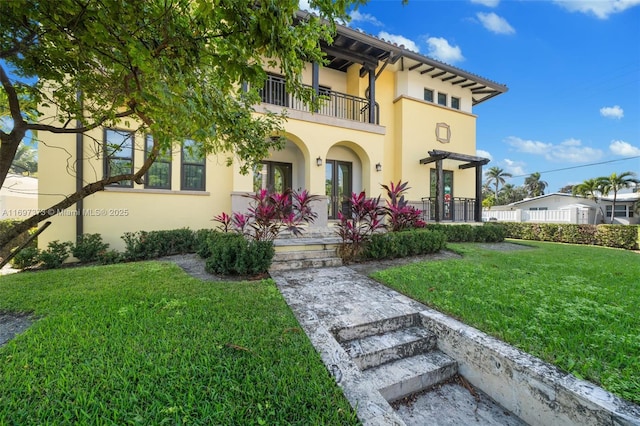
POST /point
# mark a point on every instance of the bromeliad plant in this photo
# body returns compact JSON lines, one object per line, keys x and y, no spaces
{"x":271,"y":213}
{"x":400,"y":214}
{"x":355,"y":229}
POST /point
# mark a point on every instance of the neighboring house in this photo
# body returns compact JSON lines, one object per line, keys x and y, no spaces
{"x":390,"y":114}
{"x":566,"y":208}
{"x":18,"y":197}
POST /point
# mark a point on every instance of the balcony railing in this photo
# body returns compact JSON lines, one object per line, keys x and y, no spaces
{"x":333,"y":104}
{"x":456,"y":210}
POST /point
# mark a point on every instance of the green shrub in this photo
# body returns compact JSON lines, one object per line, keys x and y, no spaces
{"x":489,"y":232}
{"x":28,"y":256}
{"x":5,"y":226}
{"x":142,"y":245}
{"x":401,"y":244}
{"x":109,"y":257}
{"x":620,"y":236}
{"x":232,"y":254}
{"x":55,"y":254}
{"x":202,"y":237}
{"x":89,"y":247}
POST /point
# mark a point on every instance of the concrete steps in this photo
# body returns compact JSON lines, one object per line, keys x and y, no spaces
{"x":397,"y":355}
{"x":308,"y":252}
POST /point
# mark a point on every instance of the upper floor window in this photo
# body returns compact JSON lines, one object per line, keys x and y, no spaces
{"x":442,"y":99}
{"x":428,"y":95}
{"x":455,"y":103}
{"x":118,"y":154}
{"x":159,"y":174}
{"x":193,"y":167}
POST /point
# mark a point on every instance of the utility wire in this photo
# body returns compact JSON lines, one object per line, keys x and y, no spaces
{"x":582,"y":165}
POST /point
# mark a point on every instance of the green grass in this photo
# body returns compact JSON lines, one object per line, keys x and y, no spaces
{"x":144,"y":343}
{"x":577,"y":307}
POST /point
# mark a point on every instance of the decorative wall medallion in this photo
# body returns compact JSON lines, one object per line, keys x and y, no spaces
{"x":443,"y":133}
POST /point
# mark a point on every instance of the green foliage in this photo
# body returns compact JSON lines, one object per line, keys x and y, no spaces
{"x":5,"y":227}
{"x":143,"y":245}
{"x":573,"y":306}
{"x":28,"y":256}
{"x":487,"y":233}
{"x":89,"y":248}
{"x":109,"y":257}
{"x":144,"y":343}
{"x":620,"y":236}
{"x":55,"y":254}
{"x":401,"y":244}
{"x":202,"y":237}
{"x":233,"y":254}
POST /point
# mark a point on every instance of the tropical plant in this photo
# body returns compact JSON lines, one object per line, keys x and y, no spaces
{"x":271,"y":213}
{"x":614,"y":183}
{"x":534,"y":186}
{"x":496,"y":176}
{"x":400,"y":214}
{"x":356,"y":228}
{"x":590,"y":189}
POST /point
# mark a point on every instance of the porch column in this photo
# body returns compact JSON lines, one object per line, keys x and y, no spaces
{"x":372,"y":96}
{"x":478,"y":206}
{"x":315,"y":81}
{"x":439,"y":211}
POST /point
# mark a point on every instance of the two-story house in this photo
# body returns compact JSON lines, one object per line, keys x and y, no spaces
{"x":388,"y":114}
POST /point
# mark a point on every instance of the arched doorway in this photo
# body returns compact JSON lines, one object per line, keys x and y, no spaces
{"x":343,"y":176}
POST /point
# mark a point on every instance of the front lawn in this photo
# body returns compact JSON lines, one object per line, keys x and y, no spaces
{"x":577,"y":307}
{"x":143,"y":343}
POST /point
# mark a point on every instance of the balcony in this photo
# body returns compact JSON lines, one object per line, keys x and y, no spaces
{"x":333,"y":104}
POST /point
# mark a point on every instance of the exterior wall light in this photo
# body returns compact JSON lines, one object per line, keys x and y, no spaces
{"x":378,"y":167}
{"x":319,"y":161}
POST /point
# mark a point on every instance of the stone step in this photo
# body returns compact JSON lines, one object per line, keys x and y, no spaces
{"x":372,"y":351}
{"x":287,"y":265}
{"x":286,"y":256}
{"x":382,"y":326}
{"x":406,"y":376}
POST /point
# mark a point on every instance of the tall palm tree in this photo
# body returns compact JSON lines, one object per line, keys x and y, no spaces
{"x":615,"y":183}
{"x":497,"y":176}
{"x":534,"y":186}
{"x":590,"y":189}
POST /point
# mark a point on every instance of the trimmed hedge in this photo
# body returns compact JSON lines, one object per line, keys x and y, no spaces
{"x":233,"y":254}
{"x":487,"y":233}
{"x":414,"y":242}
{"x":143,"y":245}
{"x":619,"y":236}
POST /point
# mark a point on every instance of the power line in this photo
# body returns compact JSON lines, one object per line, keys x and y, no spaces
{"x":582,"y":165}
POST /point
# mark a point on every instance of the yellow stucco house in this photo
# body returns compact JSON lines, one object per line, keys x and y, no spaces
{"x":389,"y":114}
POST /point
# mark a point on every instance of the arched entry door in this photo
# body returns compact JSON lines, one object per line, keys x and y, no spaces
{"x":339,"y":185}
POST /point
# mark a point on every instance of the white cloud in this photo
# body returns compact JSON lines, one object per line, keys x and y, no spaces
{"x":612,"y":112}
{"x":488,"y":3}
{"x":570,"y":150}
{"x":304,"y":5}
{"x":357,"y":16}
{"x":399,"y":40}
{"x":516,"y":168}
{"x":439,"y":48}
{"x":624,"y":148}
{"x":494,"y":23}
{"x":528,"y":146}
{"x":483,"y":153}
{"x":602,"y":9}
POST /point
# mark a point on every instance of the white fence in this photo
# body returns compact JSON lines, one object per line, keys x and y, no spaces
{"x":577,"y":216}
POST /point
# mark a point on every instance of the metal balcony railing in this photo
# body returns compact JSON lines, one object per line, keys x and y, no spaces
{"x":455,"y":210}
{"x":333,"y":104}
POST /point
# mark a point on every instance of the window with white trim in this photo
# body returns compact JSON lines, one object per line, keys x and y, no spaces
{"x":622,"y":210}
{"x":428,"y":95}
{"x":442,"y":99}
{"x":455,"y":103}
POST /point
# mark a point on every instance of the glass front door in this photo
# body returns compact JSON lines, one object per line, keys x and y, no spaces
{"x":447,"y":208}
{"x":274,"y":176}
{"x":338,"y":182}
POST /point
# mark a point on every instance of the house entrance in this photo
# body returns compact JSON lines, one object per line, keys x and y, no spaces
{"x":272,"y":175}
{"x":339,"y":185}
{"x":447,"y":207}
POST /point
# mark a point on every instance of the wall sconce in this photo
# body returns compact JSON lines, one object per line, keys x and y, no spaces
{"x":378,"y":167}
{"x":319,"y":161}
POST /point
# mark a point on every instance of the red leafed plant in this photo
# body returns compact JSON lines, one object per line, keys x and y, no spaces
{"x":365,"y":218}
{"x":270,"y":213}
{"x":400,"y":214}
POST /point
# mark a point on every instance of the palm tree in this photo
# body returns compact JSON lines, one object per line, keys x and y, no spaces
{"x":590,"y":189}
{"x":615,"y":183}
{"x":497,"y":176}
{"x":534,"y":186}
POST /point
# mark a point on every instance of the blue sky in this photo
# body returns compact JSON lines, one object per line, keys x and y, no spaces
{"x":572,"y":68}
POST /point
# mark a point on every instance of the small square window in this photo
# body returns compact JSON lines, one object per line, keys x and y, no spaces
{"x":442,"y":99}
{"x":455,"y":103}
{"x":428,"y":95}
